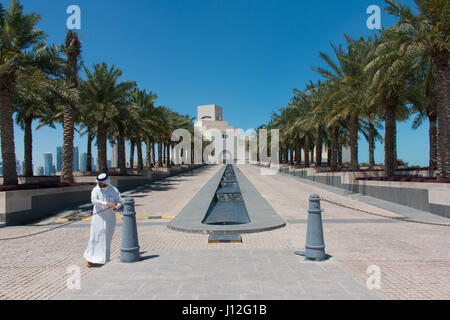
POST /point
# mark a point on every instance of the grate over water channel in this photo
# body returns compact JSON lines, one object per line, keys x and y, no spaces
{"x":227,"y":206}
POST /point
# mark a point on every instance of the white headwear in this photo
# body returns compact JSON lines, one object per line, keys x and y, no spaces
{"x":104,"y":178}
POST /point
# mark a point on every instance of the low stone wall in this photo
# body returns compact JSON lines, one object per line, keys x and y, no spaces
{"x":430,"y":197}
{"x":23,"y":180}
{"x":25,"y":206}
{"x":125,"y":183}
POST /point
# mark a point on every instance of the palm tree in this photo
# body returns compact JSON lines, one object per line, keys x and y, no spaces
{"x":182,"y":122}
{"x":18,"y":33}
{"x":425,"y":105}
{"x":428,"y":34}
{"x":89,"y":125}
{"x":298,"y":128}
{"x":143,"y":128}
{"x":312,"y":115}
{"x":104,"y":95}
{"x":126,"y":117}
{"x":389,"y":72}
{"x":370,"y":128}
{"x":29,"y":103}
{"x":72,"y":51}
{"x":347,"y":88}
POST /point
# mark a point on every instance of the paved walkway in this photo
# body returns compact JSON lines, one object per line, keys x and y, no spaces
{"x":414,"y":259}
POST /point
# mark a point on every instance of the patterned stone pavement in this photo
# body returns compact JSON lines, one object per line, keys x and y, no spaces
{"x":414,"y":259}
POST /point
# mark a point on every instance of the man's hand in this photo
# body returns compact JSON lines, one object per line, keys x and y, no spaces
{"x":111,"y":205}
{"x":116,"y":208}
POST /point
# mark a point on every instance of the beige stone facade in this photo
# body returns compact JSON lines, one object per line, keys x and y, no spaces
{"x":210,"y":117}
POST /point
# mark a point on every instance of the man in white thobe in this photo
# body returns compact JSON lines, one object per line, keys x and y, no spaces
{"x":106,"y":199}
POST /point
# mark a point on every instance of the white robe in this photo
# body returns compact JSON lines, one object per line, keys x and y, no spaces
{"x":102,"y":224}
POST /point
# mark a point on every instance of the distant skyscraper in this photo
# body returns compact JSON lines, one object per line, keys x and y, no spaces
{"x":108,"y":163}
{"x":114,"y":156}
{"x":48,"y":162}
{"x":40,"y":171}
{"x":23,"y":168}
{"x":53,"y":170}
{"x":76,"y":162}
{"x":18,"y":168}
{"x":59,"y":153}
{"x":83,"y":161}
{"x":1,"y":168}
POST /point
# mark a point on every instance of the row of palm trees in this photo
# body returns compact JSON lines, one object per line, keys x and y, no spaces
{"x":401,"y":71}
{"x":41,"y":82}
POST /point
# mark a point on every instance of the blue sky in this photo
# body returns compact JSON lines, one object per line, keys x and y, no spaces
{"x":244,"y":55}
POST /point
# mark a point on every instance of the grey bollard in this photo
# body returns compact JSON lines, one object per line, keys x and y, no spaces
{"x":315,"y":244}
{"x":130,"y":245}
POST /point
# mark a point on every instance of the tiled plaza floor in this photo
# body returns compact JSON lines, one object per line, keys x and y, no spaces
{"x":414,"y":259}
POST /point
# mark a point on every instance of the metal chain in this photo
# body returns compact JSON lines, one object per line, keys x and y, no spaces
{"x":57,"y":227}
{"x":387,"y":217}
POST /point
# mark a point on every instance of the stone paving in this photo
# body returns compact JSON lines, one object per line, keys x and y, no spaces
{"x":414,"y":259}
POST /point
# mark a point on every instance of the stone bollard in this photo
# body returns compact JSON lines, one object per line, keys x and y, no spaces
{"x":315,"y":244}
{"x":130,"y":245}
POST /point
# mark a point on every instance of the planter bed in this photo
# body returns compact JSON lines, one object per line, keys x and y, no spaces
{"x":41,"y":185}
{"x":405,"y":179}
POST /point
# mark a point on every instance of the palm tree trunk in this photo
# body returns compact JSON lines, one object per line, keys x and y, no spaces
{"x":101,"y":146}
{"x":371,"y":146}
{"x":67,"y":158}
{"x":432,"y":119}
{"x":139,"y":152}
{"x":443,"y":113}
{"x":318,"y":143}
{"x":28,"y":146}
{"x":298,"y":155}
{"x":307,"y":147}
{"x":153,"y":154}
{"x":329,"y":154}
{"x":121,"y":152}
{"x":340,"y":164}
{"x":148,"y":162}
{"x":291,"y":157}
{"x":132,"y":147}
{"x":390,"y":137}
{"x":72,"y":52}
{"x":89,"y":152}
{"x":160,"y":155}
{"x":257,"y":148}
{"x":334,"y":148}
{"x":354,"y":128}
{"x":7,"y":130}
{"x":168,"y":155}
{"x":395,"y":147}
